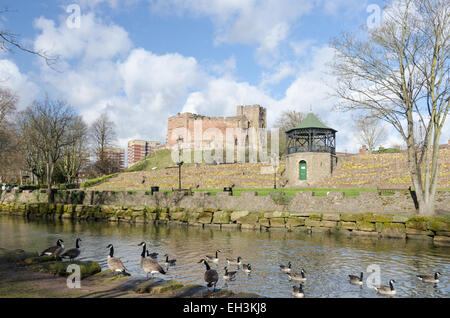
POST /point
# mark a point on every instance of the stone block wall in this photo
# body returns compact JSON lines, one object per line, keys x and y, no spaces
{"x":433,"y":229}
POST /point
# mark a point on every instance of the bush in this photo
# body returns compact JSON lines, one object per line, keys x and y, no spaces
{"x":92,"y":182}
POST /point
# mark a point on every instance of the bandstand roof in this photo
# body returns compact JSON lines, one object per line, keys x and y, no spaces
{"x":311,"y":121}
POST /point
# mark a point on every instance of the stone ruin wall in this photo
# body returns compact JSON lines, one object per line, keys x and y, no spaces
{"x":247,"y":117}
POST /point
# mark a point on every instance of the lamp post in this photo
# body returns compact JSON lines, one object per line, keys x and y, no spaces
{"x":179,"y":163}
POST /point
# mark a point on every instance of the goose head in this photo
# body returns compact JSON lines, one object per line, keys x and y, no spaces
{"x":142,"y":244}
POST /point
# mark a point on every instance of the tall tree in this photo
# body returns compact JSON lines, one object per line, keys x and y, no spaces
{"x":400,"y":74}
{"x":103,"y":136}
{"x":9,"y":150}
{"x":370,"y":132}
{"x":45,"y":126}
{"x":75,"y":154}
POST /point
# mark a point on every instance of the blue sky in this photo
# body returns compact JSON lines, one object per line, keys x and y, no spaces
{"x":145,"y":60}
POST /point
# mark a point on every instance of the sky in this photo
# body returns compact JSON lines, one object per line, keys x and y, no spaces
{"x":142,"y":61}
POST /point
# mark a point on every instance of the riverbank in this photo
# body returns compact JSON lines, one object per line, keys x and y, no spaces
{"x":400,"y":226}
{"x":24,"y":275}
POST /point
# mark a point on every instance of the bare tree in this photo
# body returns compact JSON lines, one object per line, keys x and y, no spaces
{"x":9,"y":151}
{"x":9,"y":41}
{"x":289,"y":119}
{"x":400,"y":74}
{"x":8,"y":102}
{"x":45,"y":125}
{"x":371,"y":132}
{"x":75,"y":153}
{"x":103,"y":136}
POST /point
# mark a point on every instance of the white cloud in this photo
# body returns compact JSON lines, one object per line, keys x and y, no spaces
{"x":20,"y":84}
{"x":265,"y":24}
{"x":92,"y":41}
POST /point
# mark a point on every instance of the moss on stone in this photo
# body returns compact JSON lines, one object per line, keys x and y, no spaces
{"x":383,"y":218}
{"x":87,"y":268}
{"x":351,"y":217}
{"x":249,"y":219}
{"x":221,"y":217}
{"x":277,"y":222}
{"x":205,"y":217}
{"x":365,"y":226}
{"x":295,"y":221}
{"x":347,"y":225}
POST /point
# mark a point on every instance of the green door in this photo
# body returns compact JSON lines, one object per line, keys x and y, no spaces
{"x":302,"y":168}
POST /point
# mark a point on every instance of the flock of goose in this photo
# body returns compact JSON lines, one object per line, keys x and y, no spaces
{"x":150,"y":265}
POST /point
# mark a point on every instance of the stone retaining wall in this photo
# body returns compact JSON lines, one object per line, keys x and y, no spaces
{"x":434,"y":229}
{"x":303,"y":201}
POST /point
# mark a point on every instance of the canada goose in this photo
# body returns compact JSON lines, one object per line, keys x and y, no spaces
{"x":298,"y":291}
{"x":149,"y":265}
{"x":286,"y":269}
{"x":211,"y":276}
{"x":297,"y":277}
{"x":114,"y":263}
{"x":169,"y":262}
{"x":247,"y":268}
{"x":214,"y":259}
{"x":355,"y":280}
{"x":386,"y":290}
{"x":55,"y":250}
{"x":229,"y":275}
{"x":72,"y":252}
{"x":430,"y":278}
{"x":152,"y":255}
{"x":234,"y":262}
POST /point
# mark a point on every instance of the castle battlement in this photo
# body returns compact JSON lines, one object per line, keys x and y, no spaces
{"x":250,"y":116}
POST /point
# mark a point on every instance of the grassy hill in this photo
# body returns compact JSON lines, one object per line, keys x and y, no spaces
{"x":388,"y":170}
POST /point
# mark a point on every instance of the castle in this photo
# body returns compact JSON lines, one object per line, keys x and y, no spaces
{"x":183,"y":125}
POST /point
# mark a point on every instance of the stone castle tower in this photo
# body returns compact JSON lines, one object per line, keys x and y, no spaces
{"x":250,"y":116}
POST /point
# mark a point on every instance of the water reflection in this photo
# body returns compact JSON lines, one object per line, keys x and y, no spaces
{"x":326,"y":259}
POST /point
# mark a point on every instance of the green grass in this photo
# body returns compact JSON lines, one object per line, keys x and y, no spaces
{"x":92,"y":182}
{"x":291,"y":191}
{"x":160,"y":159}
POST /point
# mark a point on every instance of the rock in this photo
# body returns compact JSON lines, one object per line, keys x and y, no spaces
{"x":277,"y":222}
{"x":313,"y":223}
{"x":205,"y":217}
{"x":378,"y":218}
{"x":364,"y":233}
{"x":237,"y":215}
{"x":419,"y":237}
{"x":365,"y":226}
{"x":264,"y":222}
{"x":347,"y":225}
{"x":351,"y":217}
{"x":393,"y":230}
{"x":441,"y":240}
{"x":331,"y":216}
{"x":249,"y":219}
{"x":221,"y":217}
{"x":87,"y":268}
{"x":155,"y":287}
{"x":400,"y":219}
{"x":295,"y":221}
{"x":329,"y":224}
{"x":418,"y":232}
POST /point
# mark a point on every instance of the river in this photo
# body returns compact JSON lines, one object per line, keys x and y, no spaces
{"x":326,"y":259}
